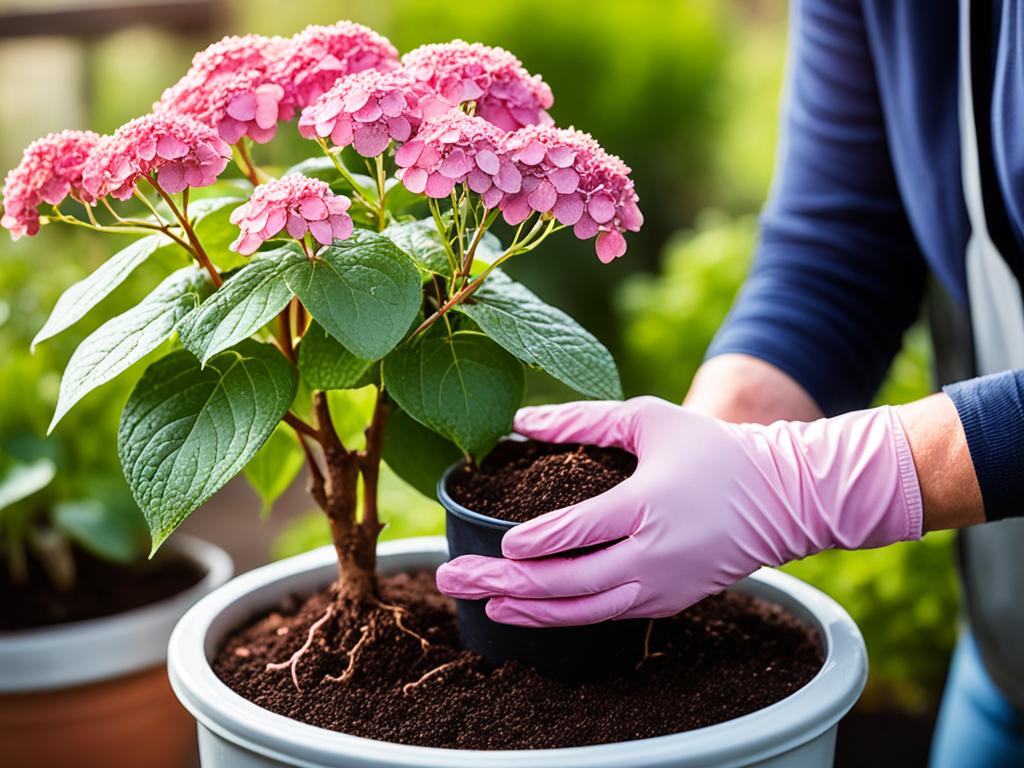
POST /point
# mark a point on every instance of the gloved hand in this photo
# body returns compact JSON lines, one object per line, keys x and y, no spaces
{"x":709,"y":503}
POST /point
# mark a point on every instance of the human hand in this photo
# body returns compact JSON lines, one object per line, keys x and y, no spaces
{"x":709,"y":503}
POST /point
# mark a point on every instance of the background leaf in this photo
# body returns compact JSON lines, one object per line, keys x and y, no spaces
{"x":326,"y":364}
{"x":275,"y":466}
{"x":77,"y":300}
{"x":117,"y":535}
{"x":187,"y":430}
{"x":22,"y":479}
{"x":466,"y":387}
{"x":364,"y":291}
{"x":121,"y":341}
{"x":539,"y":334}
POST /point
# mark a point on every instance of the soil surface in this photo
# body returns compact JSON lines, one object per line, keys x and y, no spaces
{"x":520,"y":480}
{"x":100,"y":589}
{"x":724,"y":657}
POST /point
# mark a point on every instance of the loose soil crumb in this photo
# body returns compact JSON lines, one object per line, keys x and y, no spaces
{"x":724,"y":657}
{"x":520,"y":480}
{"x":100,"y":589}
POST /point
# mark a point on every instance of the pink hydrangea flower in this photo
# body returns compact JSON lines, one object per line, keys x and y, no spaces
{"x":233,"y":86}
{"x":568,"y":174}
{"x":182,"y":152}
{"x":296,"y":203}
{"x":367,"y":110}
{"x":50,"y":170}
{"x":505,"y":93}
{"x":454,"y":148}
{"x":318,"y":57}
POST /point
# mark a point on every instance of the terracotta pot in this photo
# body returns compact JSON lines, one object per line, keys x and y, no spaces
{"x":95,"y":693}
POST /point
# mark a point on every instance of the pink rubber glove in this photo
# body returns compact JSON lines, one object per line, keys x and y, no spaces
{"x":709,"y":503}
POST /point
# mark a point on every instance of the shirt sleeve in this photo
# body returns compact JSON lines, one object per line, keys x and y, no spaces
{"x":838,"y":276}
{"x":991,"y":409}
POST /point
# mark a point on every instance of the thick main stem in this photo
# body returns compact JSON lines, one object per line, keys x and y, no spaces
{"x":355,"y":542}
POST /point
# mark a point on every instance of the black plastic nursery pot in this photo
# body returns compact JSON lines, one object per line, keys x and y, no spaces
{"x":568,"y":653}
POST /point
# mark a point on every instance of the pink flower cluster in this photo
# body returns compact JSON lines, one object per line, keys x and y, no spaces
{"x":454,"y":148}
{"x":229,"y":87}
{"x":245,"y":86}
{"x":50,"y":170}
{"x":505,"y":93}
{"x":367,"y":110}
{"x":296,"y":203}
{"x":537,"y":169}
{"x":182,"y":152}
{"x":568,"y":174}
{"x":318,"y":57}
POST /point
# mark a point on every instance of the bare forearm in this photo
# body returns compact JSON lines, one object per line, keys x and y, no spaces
{"x":745,"y":389}
{"x":741,"y":388}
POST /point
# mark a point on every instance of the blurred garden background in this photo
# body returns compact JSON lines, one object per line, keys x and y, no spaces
{"x":686,"y":92}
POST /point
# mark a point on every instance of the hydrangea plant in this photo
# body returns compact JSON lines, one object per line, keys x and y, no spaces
{"x":330,"y":281}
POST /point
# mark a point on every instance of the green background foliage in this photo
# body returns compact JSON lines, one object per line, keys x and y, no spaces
{"x":686,"y":92}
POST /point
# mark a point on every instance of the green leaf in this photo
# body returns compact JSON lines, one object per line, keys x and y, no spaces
{"x":465,"y":388}
{"x":539,"y":334}
{"x":121,"y":341}
{"x":422,"y":241}
{"x":418,"y":455}
{"x":77,"y":300}
{"x":22,"y":479}
{"x":200,"y":210}
{"x":275,"y":466}
{"x":364,"y":291}
{"x":397,"y":198}
{"x":326,"y":364}
{"x":112,"y":534}
{"x":250,"y":299}
{"x":211,"y":219}
{"x":187,"y":430}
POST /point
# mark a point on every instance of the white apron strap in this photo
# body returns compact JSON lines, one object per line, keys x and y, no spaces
{"x":997,"y":311}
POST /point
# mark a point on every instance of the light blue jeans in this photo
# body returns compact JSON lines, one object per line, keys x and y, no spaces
{"x":977,"y":726}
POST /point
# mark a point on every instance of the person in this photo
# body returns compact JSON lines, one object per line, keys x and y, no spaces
{"x":902,"y":158}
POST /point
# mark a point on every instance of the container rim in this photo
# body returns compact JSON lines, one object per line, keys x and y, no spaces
{"x":93,"y":650}
{"x":798,"y":719}
{"x":465,"y":513}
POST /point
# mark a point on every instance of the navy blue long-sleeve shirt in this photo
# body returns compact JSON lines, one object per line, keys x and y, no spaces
{"x":867,"y":198}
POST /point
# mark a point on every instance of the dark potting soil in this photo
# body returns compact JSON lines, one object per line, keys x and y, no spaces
{"x":520,"y":480}
{"x":100,"y":589}
{"x":724,"y":657}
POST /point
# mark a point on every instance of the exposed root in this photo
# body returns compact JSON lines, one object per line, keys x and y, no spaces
{"x":397,"y":612}
{"x":435,"y":672}
{"x":345,"y":676}
{"x":293,"y":662}
{"x":647,"y":645}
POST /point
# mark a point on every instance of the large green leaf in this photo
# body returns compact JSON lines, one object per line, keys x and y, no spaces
{"x":77,"y":300}
{"x":417,"y":454}
{"x":275,"y":466}
{"x":250,"y":299}
{"x":466,"y":388}
{"x":422,"y":241}
{"x":121,"y":341}
{"x":187,"y":430}
{"x":538,"y":334}
{"x":364,"y":291}
{"x":326,"y":364}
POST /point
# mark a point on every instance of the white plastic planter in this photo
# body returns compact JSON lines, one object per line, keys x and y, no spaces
{"x":235,"y":733}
